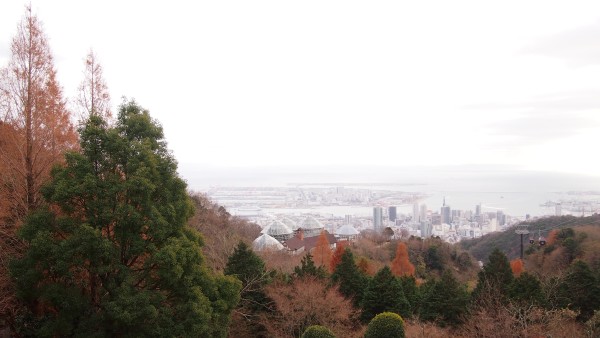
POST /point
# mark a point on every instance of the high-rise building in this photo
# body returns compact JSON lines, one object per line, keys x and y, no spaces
{"x":426,"y":229}
{"x":348,"y":219}
{"x":478,"y":210}
{"x":500,"y":217}
{"x":558,"y":209}
{"x":445,"y":212}
{"x":377,"y":218}
{"x":392,"y":214}
{"x":415,"y":212}
{"x":423,"y":213}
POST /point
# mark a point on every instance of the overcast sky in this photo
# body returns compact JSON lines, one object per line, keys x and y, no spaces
{"x":260,"y":83}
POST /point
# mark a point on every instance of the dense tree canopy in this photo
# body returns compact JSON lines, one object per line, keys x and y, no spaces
{"x":384,"y":294}
{"x":351,"y":280}
{"x":112,"y":254}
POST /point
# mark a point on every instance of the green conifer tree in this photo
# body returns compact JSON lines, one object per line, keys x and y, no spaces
{"x":308,"y":268}
{"x":112,"y":254}
{"x":445,"y":301}
{"x":580,"y":290}
{"x":495,"y":277}
{"x":527,"y":289}
{"x":384,"y":294}
{"x":351,"y":280}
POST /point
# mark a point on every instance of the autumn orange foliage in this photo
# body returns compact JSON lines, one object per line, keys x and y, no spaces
{"x":552,"y":237}
{"x":516,"y":265}
{"x":337,"y":254}
{"x":322,"y":251}
{"x":401,"y":266}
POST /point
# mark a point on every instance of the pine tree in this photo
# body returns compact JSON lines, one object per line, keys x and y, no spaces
{"x":527,"y":289}
{"x":411,"y":292}
{"x":401,"y":266}
{"x":496,"y":276}
{"x":112,"y":254}
{"x":580,"y":290}
{"x":445,"y":301}
{"x":308,"y":268}
{"x":384,"y":293}
{"x":351,"y":281}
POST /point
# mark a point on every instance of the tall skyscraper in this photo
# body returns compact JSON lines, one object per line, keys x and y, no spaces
{"x":392,"y":214}
{"x":500,"y":217}
{"x":415,"y":212}
{"x":377,"y":218}
{"x":423,"y":212}
{"x":478,"y":210}
{"x":445,"y":212}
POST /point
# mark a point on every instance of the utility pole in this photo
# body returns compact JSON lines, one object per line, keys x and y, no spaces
{"x":522,"y":231}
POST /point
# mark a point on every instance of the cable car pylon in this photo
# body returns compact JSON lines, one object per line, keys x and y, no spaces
{"x":522,"y":230}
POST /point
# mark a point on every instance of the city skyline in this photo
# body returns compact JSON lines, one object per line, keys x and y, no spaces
{"x":344,"y":84}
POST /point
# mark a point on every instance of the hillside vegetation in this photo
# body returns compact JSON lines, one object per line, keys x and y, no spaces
{"x":509,"y":242}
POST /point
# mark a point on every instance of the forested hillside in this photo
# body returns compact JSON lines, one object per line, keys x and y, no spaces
{"x":510,"y":243}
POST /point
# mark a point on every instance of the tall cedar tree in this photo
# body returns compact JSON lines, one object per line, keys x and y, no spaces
{"x":401,"y":266}
{"x":249,"y":268}
{"x":308,"y":268}
{"x":580,"y":290}
{"x":112,"y":255}
{"x":495,"y":277}
{"x":445,"y":301}
{"x":336,"y":258}
{"x":35,"y":130}
{"x":411,"y":292}
{"x":322,"y":251}
{"x":527,"y":289}
{"x":93,"y":95}
{"x":350,"y":279}
{"x":384,"y":293}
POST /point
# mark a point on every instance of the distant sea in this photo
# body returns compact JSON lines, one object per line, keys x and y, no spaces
{"x":515,"y":192}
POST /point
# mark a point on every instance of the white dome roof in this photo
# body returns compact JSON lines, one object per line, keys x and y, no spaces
{"x":265,"y":230}
{"x":347,"y":230}
{"x":311,"y":223}
{"x":266,"y":242}
{"x":278,"y":228}
{"x":290,"y":223}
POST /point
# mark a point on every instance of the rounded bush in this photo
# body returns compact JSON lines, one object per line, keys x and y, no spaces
{"x":317,"y":331}
{"x":385,"y":325}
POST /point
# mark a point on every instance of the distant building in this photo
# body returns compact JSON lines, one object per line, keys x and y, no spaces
{"x":436,"y":219}
{"x":423,"y":213}
{"x":478,"y":210}
{"x":445,"y":212}
{"x":558,"y":209}
{"x":392,"y":214}
{"x":415,"y":212}
{"x":500,"y":218}
{"x":426,"y":229}
{"x":377,"y":218}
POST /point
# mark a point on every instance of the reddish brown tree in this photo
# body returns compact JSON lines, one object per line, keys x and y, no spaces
{"x":337,"y":254}
{"x":322,"y":251}
{"x":36,"y":130}
{"x":516,"y":265}
{"x":306,"y":302}
{"x":401,"y":266}
{"x":93,"y":92}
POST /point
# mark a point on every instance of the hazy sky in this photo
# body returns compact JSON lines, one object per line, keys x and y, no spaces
{"x":244,"y":83}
